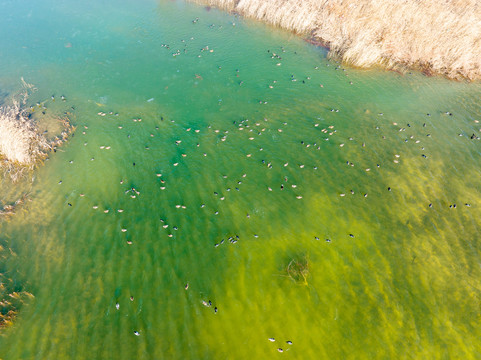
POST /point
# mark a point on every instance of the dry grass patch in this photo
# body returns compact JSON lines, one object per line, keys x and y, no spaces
{"x":441,"y":37}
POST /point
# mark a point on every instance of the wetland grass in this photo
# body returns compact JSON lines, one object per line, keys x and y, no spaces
{"x":435,"y":37}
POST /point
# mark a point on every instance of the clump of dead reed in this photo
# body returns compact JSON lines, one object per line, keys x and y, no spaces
{"x":298,"y":269}
{"x":22,"y":145}
{"x":442,"y":37}
{"x":20,"y":141}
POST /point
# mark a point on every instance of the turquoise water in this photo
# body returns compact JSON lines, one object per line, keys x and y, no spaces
{"x":201,"y":171}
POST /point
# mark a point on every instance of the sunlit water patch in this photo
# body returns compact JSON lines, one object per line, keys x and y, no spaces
{"x":230,"y":193}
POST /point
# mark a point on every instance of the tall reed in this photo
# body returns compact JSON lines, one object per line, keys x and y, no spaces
{"x":436,"y":36}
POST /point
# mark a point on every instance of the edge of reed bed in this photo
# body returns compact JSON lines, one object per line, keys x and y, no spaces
{"x":436,"y":38}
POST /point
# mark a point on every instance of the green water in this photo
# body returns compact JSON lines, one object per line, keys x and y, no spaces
{"x":230,"y":147}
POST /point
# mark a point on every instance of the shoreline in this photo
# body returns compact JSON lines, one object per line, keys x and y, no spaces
{"x":434,"y":38}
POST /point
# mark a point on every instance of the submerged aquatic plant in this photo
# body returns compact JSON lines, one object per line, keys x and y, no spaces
{"x":10,"y":301}
{"x":12,"y":296}
{"x":298,"y":269}
{"x":9,"y":209}
{"x":434,"y":36}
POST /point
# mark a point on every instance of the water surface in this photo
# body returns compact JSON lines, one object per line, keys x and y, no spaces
{"x":213,"y":151}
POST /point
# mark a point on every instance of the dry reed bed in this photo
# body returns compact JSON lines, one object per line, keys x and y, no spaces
{"x":435,"y":36}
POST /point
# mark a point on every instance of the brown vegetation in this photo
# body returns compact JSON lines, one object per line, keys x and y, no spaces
{"x":441,"y":37}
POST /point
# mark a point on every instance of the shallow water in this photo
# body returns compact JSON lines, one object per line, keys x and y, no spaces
{"x":231,"y":146}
